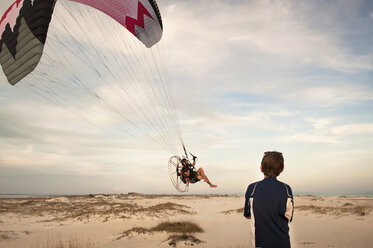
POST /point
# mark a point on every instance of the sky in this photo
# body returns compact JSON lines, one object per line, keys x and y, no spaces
{"x":246,"y":77}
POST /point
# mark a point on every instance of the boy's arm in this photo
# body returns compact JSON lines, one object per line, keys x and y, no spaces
{"x":292,"y":204}
{"x":247,"y":207}
{"x":289,"y":204}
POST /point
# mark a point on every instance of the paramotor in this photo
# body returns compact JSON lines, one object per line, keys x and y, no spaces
{"x":178,"y":180}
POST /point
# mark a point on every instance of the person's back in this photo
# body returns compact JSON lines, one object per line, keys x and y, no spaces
{"x":269,"y":204}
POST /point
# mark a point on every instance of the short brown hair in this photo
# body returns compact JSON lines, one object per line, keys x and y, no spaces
{"x":272,"y":163}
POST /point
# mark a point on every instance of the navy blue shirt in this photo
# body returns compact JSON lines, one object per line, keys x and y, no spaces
{"x":269,"y":203}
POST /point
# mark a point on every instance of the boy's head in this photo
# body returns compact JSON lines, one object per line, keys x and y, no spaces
{"x":272,"y":164}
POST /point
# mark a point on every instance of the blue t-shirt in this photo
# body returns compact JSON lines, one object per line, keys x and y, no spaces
{"x":269,"y":203}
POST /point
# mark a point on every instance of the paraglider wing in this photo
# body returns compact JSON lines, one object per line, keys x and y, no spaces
{"x":140,"y":17}
{"x":24,"y":27}
{"x":23,"y":30}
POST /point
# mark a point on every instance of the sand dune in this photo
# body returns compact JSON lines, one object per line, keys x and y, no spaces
{"x":134,"y":220}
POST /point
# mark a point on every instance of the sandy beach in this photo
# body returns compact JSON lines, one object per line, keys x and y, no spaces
{"x":134,"y":220}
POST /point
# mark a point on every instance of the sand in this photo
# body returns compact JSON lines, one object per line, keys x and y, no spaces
{"x":113,"y":221}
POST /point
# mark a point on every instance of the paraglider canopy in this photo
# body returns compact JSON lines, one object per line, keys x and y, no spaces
{"x":140,"y":17}
{"x":24,"y":28}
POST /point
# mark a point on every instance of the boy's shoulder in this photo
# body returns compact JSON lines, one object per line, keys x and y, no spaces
{"x":288,"y":188}
{"x":287,"y":185}
{"x":253,"y":184}
{"x":251,"y":188}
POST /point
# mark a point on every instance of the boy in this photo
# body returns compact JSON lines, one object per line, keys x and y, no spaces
{"x":269,"y":204}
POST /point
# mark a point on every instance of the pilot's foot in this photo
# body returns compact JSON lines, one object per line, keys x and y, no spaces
{"x":213,"y":185}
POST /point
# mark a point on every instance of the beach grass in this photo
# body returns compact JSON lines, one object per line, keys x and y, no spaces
{"x":4,"y":237}
{"x":58,"y":242}
{"x":186,"y":238}
{"x":238,"y":210}
{"x":178,"y":227}
{"x":7,"y":235}
{"x":135,"y":230}
{"x":180,"y":231}
{"x":347,"y":208}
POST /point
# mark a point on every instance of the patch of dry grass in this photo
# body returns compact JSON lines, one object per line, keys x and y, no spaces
{"x":190,"y":240}
{"x":178,"y":227}
{"x":7,"y":235}
{"x":58,"y":242}
{"x":317,"y":199}
{"x":181,"y":232}
{"x":238,"y":210}
{"x":346,"y":208}
{"x":347,"y":204}
{"x":135,"y":230}
{"x":3,"y":236}
{"x":361,"y":210}
{"x":168,"y":207}
{"x":307,"y":243}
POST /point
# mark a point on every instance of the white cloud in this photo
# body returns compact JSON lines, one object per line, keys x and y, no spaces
{"x":27,"y":158}
{"x":353,"y":129}
{"x":258,"y":120}
{"x":310,"y":138}
{"x":274,"y":29}
{"x":227,"y":50}
{"x":320,"y":123}
{"x":328,"y":95}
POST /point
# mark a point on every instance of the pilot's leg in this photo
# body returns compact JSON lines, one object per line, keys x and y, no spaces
{"x":202,"y":175}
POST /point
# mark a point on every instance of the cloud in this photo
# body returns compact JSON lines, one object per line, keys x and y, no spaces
{"x":309,"y":138}
{"x":353,"y":129}
{"x":287,"y":50}
{"x":279,"y":32}
{"x":331,"y":95}
{"x":320,"y":123}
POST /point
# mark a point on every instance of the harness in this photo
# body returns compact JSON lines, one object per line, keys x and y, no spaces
{"x":193,"y":175}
